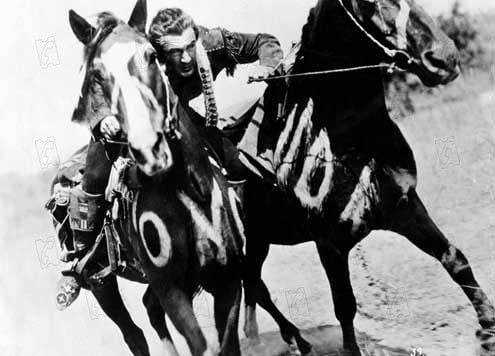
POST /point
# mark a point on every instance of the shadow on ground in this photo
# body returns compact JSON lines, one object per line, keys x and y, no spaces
{"x":326,"y":341}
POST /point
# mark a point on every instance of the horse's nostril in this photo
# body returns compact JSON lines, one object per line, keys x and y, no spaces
{"x":137,"y":154}
{"x":158,"y":143}
{"x":429,"y":56}
{"x":438,"y":60}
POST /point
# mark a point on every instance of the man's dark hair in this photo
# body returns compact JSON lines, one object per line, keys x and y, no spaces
{"x":169,"y":21}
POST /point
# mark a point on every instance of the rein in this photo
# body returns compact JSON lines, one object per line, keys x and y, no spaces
{"x":392,"y":67}
{"x":393,"y":54}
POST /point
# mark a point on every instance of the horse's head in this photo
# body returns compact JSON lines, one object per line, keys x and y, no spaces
{"x":120,"y":65}
{"x":403,"y":27}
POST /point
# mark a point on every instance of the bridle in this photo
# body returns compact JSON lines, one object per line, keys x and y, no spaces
{"x":400,"y":59}
{"x":393,"y":54}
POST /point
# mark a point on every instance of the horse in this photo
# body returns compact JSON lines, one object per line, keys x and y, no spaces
{"x":181,"y":198}
{"x":338,"y":166}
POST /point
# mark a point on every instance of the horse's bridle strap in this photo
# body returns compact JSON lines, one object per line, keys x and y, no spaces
{"x":391,"y":53}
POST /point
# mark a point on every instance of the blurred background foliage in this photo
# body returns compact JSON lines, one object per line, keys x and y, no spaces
{"x":474,"y":37}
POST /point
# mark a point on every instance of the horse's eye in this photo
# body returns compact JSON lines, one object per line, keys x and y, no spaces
{"x":98,"y":75}
{"x":150,"y":54}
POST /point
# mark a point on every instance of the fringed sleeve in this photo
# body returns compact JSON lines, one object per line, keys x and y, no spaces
{"x":241,"y":48}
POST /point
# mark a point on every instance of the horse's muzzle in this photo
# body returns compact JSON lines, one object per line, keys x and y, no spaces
{"x":155,"y":159}
{"x":439,"y":66}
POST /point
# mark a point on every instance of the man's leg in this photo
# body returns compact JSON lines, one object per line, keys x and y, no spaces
{"x":87,"y":203}
{"x":87,"y":212}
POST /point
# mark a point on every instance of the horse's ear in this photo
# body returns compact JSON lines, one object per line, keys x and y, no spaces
{"x":139,"y":16}
{"x":81,"y":28}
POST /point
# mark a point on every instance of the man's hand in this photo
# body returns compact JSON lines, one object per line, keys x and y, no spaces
{"x":259,"y":71}
{"x":109,"y":127}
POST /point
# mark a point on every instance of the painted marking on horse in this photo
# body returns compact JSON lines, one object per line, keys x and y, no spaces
{"x":210,"y":351}
{"x":234,"y":201}
{"x":281,"y":144}
{"x":284,"y":160}
{"x":251,"y":329}
{"x":134,"y":211}
{"x":203,"y":225}
{"x":116,"y":59}
{"x":452,"y":262}
{"x":316,"y":153}
{"x":115,"y":99}
{"x":361,"y":202}
{"x":216,"y":207}
{"x":169,"y":347}
{"x":401,"y":24}
{"x":218,"y":215}
{"x":162,"y":234}
{"x":319,"y":156}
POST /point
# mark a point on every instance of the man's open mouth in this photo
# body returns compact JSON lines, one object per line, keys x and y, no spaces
{"x":187,"y":68}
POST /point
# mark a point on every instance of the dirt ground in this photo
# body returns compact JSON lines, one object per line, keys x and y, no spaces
{"x":405,"y":298}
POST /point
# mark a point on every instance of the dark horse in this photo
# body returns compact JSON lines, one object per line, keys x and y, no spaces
{"x":181,"y":198}
{"x":342,"y":166}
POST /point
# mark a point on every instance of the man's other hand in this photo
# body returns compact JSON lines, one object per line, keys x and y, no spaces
{"x":259,"y":71}
{"x":109,"y":127}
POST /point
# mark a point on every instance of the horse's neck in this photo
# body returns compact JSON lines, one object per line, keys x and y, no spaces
{"x":195,"y":162}
{"x":332,"y":41}
{"x":344,"y":102}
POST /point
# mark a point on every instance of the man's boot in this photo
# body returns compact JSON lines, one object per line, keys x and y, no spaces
{"x":87,"y":212}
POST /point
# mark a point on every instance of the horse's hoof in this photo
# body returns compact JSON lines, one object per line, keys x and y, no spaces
{"x":254,"y":340}
{"x":310,"y":353}
{"x":305,"y":347}
{"x":353,"y":351}
{"x":294,"y":350}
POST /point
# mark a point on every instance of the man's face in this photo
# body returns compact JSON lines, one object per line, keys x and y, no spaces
{"x":180,"y":51}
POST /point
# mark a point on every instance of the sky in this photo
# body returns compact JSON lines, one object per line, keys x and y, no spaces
{"x":37,"y":96}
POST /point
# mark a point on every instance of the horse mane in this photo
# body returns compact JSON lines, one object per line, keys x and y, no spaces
{"x":306,"y":32}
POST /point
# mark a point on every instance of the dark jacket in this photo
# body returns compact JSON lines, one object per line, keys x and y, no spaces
{"x":225,"y":50}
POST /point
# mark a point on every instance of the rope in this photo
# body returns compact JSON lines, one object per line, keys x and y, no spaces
{"x":390,"y":67}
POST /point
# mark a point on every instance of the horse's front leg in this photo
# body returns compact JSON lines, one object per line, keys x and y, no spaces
{"x":156,"y":314}
{"x":256,"y":254}
{"x":110,"y":300}
{"x":413,"y":222}
{"x":178,"y":306}
{"x":256,"y":292}
{"x":226,"y":311}
{"x":336,"y":265}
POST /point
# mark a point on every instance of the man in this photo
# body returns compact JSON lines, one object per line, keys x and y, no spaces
{"x":193,"y":57}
